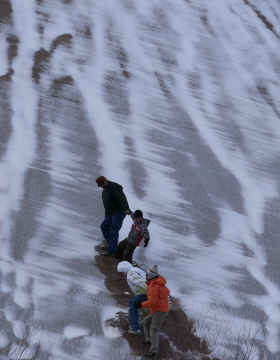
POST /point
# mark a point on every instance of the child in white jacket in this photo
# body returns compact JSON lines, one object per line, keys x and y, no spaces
{"x":136,"y":279}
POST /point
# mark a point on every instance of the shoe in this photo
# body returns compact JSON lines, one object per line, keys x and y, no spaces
{"x":151,"y":354}
{"x":146,"y":342}
{"x":103,"y":252}
{"x":134,"y":332}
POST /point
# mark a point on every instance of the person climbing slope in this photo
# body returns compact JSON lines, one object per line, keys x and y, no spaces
{"x":138,"y":232}
{"x":136,"y":279}
{"x":157,"y":303}
{"x":116,"y":208}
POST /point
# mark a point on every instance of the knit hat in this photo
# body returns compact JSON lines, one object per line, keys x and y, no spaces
{"x":100,"y":180}
{"x":138,"y":213}
{"x":152,"y":273}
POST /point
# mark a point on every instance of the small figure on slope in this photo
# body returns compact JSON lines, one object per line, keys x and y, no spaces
{"x":138,"y":232}
{"x":116,"y":208}
{"x":136,"y":279}
{"x":157,"y":303}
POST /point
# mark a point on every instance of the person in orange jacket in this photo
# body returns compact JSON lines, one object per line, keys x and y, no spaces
{"x":157,"y":303}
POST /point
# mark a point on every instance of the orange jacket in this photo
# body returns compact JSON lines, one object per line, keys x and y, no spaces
{"x":157,"y":294}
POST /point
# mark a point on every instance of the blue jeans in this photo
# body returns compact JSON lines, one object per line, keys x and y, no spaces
{"x":133,"y":315}
{"x":110,"y":228}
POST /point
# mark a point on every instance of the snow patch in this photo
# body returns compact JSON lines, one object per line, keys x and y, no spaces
{"x":4,"y":340}
{"x":73,"y":331}
{"x":109,"y":312}
{"x":19,"y":329}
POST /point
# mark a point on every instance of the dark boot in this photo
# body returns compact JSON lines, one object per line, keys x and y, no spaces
{"x":120,"y":249}
{"x":146,"y":342}
{"x":151,"y":354}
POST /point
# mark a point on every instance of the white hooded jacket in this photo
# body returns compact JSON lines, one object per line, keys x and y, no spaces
{"x":136,"y":277}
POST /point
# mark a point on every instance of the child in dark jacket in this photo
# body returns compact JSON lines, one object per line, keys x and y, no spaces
{"x":138,"y":232}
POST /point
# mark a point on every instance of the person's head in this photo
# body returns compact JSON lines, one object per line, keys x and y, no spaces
{"x":101,"y":181}
{"x":152,"y":273}
{"x":138,"y":216}
{"x":124,"y":266}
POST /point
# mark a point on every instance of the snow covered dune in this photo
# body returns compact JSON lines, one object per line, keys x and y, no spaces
{"x":178,"y":101}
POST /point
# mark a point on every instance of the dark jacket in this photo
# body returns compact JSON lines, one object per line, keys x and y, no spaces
{"x":139,"y":232}
{"x":114,"y":199}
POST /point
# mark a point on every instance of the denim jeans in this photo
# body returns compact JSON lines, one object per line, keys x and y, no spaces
{"x":110,"y":228}
{"x":133,"y":315}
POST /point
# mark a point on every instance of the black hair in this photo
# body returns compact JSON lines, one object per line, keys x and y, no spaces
{"x":138,"y":213}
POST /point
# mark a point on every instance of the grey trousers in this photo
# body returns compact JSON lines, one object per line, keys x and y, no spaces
{"x":152,"y":324}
